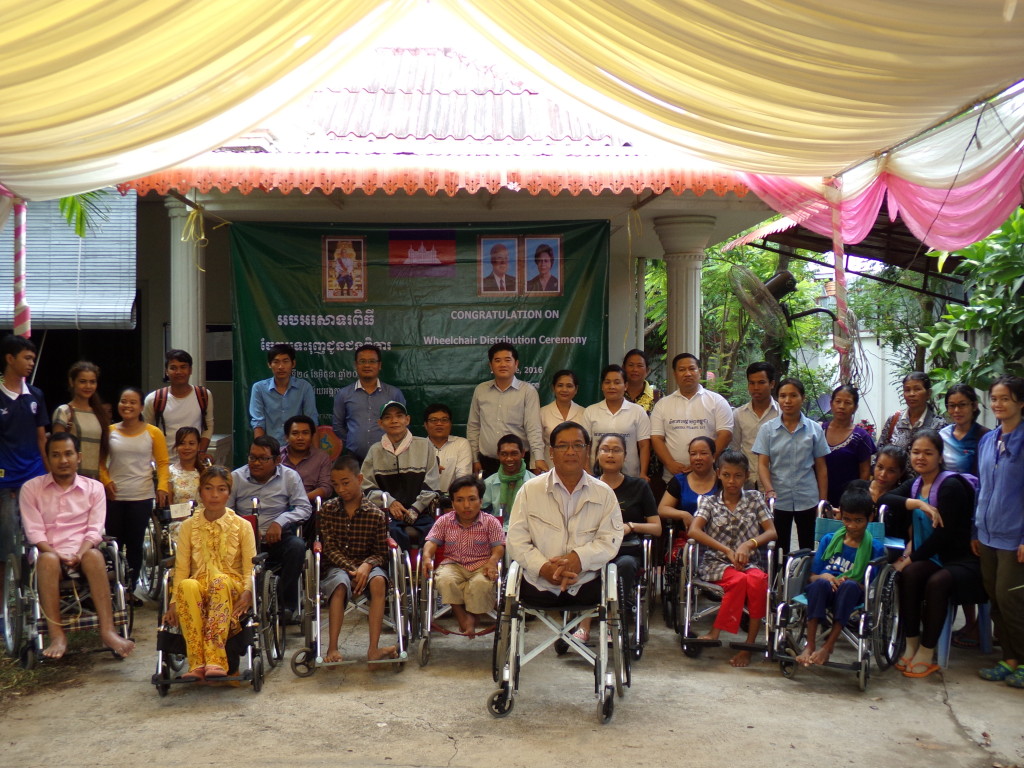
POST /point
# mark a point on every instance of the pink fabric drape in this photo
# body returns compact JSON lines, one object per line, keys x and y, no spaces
{"x":944,"y":219}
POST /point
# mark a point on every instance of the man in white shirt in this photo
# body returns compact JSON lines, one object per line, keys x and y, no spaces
{"x":689,"y":412}
{"x":565,"y":526}
{"x":454,"y":457}
{"x":180,"y":404}
{"x":505,"y":405}
{"x":748,"y":418}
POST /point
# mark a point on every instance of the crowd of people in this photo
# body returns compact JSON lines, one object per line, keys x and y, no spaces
{"x":571,"y":488}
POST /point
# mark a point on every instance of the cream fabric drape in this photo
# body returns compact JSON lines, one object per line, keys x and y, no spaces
{"x":98,"y":92}
{"x":788,"y":87}
{"x":93,"y":92}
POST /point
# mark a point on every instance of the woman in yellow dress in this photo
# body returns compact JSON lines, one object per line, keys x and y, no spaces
{"x":212,"y":577}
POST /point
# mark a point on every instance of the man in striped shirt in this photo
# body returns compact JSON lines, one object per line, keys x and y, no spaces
{"x":473,"y":546}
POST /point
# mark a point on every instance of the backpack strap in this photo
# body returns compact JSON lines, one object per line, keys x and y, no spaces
{"x":159,"y":404}
{"x":892,"y":423}
{"x":203,"y":398}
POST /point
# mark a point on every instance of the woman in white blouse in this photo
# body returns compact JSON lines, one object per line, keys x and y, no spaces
{"x":563,"y":408}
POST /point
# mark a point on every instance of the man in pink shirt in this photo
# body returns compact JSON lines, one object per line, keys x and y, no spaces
{"x":62,"y":513}
{"x":473,"y":546}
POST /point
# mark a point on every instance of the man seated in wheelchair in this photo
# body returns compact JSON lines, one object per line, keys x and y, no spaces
{"x":732,"y":525}
{"x":405,"y":468}
{"x":212,"y":577}
{"x":473,"y":546}
{"x":62,"y":514}
{"x":837,"y":571}
{"x":283,"y":506}
{"x":354,"y":540}
{"x":566,"y":525}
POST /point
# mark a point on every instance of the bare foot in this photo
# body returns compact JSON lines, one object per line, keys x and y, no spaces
{"x":741,"y":659}
{"x":376,"y":654}
{"x":57,"y":648}
{"x":804,"y":659}
{"x":707,"y":637}
{"x":119,"y":645}
{"x":212,"y":670}
{"x":821,"y":655}
{"x":333,"y":656}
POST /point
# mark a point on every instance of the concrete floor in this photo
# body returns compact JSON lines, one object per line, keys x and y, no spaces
{"x":698,"y":711}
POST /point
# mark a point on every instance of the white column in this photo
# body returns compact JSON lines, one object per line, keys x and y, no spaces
{"x":684,"y":239}
{"x":188,"y":292}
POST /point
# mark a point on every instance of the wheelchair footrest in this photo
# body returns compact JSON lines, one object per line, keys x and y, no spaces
{"x":702,"y":642}
{"x":752,"y":647}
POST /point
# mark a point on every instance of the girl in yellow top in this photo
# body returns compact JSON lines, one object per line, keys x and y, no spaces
{"x":212,"y":577}
{"x":128,"y":478}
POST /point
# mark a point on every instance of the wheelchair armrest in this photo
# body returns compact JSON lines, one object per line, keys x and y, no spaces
{"x":392,"y":544}
{"x":260,"y":558}
{"x":167,"y":562}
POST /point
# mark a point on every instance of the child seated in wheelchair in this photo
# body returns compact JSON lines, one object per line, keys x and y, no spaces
{"x":354,"y":540}
{"x":474,"y":544}
{"x":837,"y":571}
{"x":212,"y":576}
{"x":732,"y":525}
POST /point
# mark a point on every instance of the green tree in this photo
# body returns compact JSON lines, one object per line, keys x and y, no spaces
{"x":978,"y":342}
{"x":730,"y":338}
{"x":85,"y":211}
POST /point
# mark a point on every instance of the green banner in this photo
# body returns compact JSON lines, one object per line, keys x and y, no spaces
{"x":434,"y":299}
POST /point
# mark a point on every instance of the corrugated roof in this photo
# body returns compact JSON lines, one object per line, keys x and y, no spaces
{"x":429,"y":94}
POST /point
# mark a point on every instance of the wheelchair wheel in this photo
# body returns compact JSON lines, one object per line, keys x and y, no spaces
{"x":257,"y":673}
{"x":151,"y":574}
{"x":303,"y":662}
{"x":788,"y":666}
{"x":690,"y":650}
{"x":606,"y":706}
{"x":499,"y":649}
{"x":161,"y":678}
{"x":27,"y":658}
{"x":270,"y":621}
{"x":864,"y":673}
{"x":14,"y":622}
{"x":887,"y":637}
{"x":500,"y":703}
{"x":423,"y":652}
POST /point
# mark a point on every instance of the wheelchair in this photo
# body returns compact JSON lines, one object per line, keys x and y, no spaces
{"x":159,"y":544}
{"x":699,"y":599}
{"x":430,"y":609}
{"x":25,"y":626}
{"x":872,"y":631}
{"x":398,"y":614}
{"x":510,"y":654}
{"x":247,"y":643}
{"x":670,"y":572}
{"x":638,"y":629}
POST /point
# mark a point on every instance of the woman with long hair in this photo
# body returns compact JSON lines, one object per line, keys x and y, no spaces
{"x":85,"y":416}
{"x":128,"y":478}
{"x":937,"y":565}
{"x":850,"y":447}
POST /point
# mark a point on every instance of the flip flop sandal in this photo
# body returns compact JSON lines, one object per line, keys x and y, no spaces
{"x":902,"y":664}
{"x":928,"y":669}
{"x":215,"y":671}
{"x":996,"y":674}
{"x":961,"y":640}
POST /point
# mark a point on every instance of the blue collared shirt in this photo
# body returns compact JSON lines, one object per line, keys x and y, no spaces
{"x":356,"y":413}
{"x":792,"y":456}
{"x":269,"y":409}
{"x":998,"y":520}
{"x":282,"y":498}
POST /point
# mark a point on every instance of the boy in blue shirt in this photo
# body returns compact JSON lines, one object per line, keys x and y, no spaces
{"x":838,"y":570}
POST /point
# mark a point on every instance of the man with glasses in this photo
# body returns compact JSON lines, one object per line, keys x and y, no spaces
{"x":283,"y":506}
{"x":565,"y":526}
{"x":454,"y":458}
{"x":357,"y":406}
{"x":689,"y":412}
